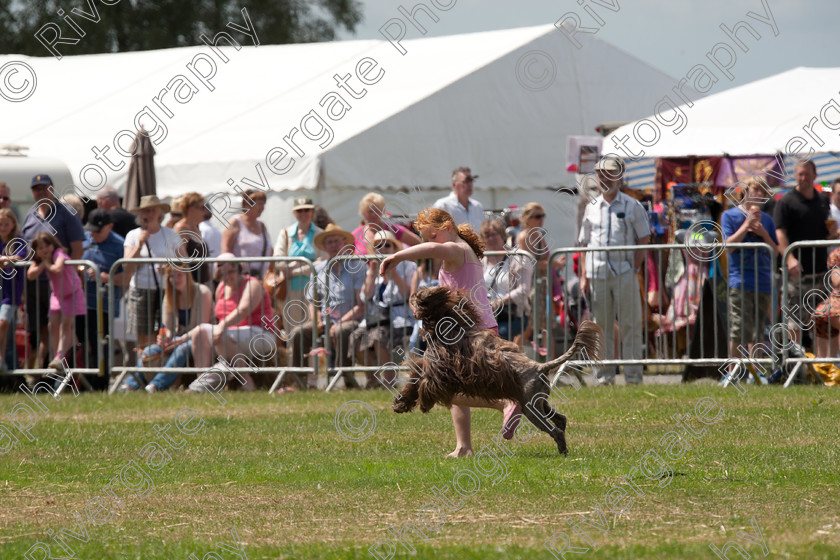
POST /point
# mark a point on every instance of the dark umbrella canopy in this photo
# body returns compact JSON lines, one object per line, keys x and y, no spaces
{"x":141,"y":171}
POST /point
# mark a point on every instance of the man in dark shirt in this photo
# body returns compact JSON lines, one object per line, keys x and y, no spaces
{"x":103,"y":247}
{"x":801,"y":216}
{"x":123,"y":220}
{"x":53,"y":217}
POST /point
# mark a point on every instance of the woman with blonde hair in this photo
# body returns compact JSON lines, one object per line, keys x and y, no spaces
{"x":532,"y":239}
{"x":461,"y":251}
{"x":192,"y":245}
{"x":186,"y":304}
{"x":247,"y":236}
{"x":371,"y":209}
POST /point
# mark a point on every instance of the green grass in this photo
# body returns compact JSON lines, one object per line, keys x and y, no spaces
{"x":277,"y":470}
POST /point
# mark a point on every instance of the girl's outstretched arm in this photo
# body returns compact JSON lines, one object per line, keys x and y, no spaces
{"x":57,"y":266}
{"x":449,"y":252}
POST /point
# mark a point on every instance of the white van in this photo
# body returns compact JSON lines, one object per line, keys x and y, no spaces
{"x":17,"y":170}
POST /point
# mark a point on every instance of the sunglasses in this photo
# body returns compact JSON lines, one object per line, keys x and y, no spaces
{"x":5,"y":198}
{"x":538,"y":216}
{"x":389,"y":246}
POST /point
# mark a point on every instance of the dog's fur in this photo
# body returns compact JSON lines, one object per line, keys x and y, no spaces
{"x":481,"y":364}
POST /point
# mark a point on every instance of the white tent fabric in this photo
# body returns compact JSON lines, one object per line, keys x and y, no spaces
{"x":767,"y":116}
{"x":473,"y":99}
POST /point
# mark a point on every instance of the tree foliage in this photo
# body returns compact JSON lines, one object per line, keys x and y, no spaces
{"x":135,"y":25}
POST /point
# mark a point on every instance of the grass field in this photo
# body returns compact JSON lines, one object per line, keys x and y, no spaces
{"x":278,"y":471}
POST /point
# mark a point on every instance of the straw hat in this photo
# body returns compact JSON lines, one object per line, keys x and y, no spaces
{"x":384,"y":235}
{"x":150,"y":201}
{"x":332,"y":230}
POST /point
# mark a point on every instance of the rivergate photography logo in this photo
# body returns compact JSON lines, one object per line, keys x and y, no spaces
{"x":17,"y":81}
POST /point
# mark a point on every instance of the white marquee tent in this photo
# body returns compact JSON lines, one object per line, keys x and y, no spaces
{"x":793,"y":112}
{"x":502,"y":102}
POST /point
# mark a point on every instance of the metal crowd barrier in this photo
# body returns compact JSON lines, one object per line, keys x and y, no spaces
{"x":281,"y":367}
{"x":700,"y":312}
{"x":680,"y":324}
{"x":76,"y":366}
{"x":801,"y":298}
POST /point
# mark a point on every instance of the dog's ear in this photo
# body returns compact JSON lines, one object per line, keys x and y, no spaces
{"x":431,"y":303}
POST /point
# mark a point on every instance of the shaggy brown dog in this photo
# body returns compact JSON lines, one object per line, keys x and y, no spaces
{"x":464,"y":360}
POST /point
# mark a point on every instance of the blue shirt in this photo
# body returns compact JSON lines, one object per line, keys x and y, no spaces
{"x":347,"y":279}
{"x":744,"y":260}
{"x":104,"y":255}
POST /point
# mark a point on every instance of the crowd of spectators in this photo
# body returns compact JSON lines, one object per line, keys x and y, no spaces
{"x":327,"y":296}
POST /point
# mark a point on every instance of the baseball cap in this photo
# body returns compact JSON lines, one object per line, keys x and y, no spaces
{"x":41,"y":180}
{"x":98,"y":219}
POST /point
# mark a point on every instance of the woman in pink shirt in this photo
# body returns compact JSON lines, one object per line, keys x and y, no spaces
{"x":371,"y":209}
{"x":242,"y":305}
{"x":460,"y":249}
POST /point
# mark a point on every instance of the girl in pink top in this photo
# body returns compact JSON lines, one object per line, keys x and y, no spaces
{"x":460,"y":249}
{"x":67,"y":299}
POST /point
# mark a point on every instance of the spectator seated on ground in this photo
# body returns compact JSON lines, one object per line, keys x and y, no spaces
{"x":336,"y":291}
{"x":186,"y":304}
{"x":686,"y":273}
{"x":827,"y":316}
{"x":388,"y":320}
{"x":242,"y":308}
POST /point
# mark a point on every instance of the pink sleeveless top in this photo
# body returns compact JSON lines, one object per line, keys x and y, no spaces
{"x":225,"y":307}
{"x":465,"y":278}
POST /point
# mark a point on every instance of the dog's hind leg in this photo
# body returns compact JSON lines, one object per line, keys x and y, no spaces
{"x":540,"y":420}
{"x":538,"y":392}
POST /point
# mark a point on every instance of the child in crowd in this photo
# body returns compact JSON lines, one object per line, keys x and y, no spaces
{"x":12,"y":279}
{"x":67,"y":299}
{"x":750,"y":270}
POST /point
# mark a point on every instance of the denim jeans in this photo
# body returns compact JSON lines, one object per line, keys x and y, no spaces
{"x":178,"y":358}
{"x":508,"y":330}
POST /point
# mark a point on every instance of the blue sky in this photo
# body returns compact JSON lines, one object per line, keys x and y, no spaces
{"x":672,"y":36}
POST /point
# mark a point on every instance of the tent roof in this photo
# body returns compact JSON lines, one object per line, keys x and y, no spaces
{"x":757,"y":118}
{"x":448,"y":101}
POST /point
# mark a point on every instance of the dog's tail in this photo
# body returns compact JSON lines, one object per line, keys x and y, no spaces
{"x":589,"y":339}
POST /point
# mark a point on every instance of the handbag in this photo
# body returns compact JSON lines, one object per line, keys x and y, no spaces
{"x":276,"y":284}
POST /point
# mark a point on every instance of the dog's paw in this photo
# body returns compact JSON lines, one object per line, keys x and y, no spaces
{"x":401,"y":405}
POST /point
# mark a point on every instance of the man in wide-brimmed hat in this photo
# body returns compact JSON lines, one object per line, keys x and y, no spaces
{"x":150,"y":240}
{"x":340,"y":300}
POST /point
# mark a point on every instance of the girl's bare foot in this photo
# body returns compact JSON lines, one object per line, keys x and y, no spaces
{"x":511,"y":419}
{"x":461,"y":452}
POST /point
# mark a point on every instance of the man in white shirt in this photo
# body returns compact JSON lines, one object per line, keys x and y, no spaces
{"x":459,"y":204}
{"x":615,"y":219}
